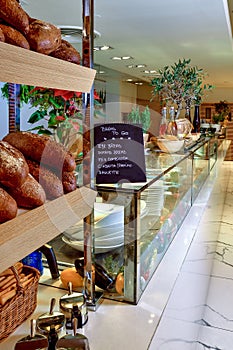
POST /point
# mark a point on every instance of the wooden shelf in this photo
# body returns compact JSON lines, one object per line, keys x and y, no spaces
{"x":21,"y":66}
{"x":31,"y":230}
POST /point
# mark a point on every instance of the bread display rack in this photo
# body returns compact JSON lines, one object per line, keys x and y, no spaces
{"x":30,"y":230}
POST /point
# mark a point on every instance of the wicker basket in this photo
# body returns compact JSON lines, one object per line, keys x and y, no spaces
{"x":21,"y":306}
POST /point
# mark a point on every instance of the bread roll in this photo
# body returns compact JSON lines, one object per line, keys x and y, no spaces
{"x":13,"y":166}
{"x":14,"y":37}
{"x":42,"y":149}
{"x":67,"y":52}
{"x":51,"y":184}
{"x":14,"y":15}
{"x":2,"y":37}
{"x":43,"y":37}
{"x":29,"y":195}
{"x":8,"y":206}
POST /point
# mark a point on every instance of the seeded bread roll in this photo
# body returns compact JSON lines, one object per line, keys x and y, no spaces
{"x":14,"y":15}
{"x":13,"y":166}
{"x":2,"y":37}
{"x":42,"y":149}
{"x":14,"y":37}
{"x":51,"y":184}
{"x":8,"y":206}
{"x":43,"y":37}
{"x":67,"y":52}
{"x":29,"y":195}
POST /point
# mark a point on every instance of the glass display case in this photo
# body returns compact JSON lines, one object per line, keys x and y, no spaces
{"x":134,"y":223}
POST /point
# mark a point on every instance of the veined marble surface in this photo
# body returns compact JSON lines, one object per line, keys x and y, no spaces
{"x":199,"y":312}
{"x":187,"y":304}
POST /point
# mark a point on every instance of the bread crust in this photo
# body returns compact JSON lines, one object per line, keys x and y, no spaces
{"x":50,"y":182}
{"x":67,"y":52}
{"x":43,"y":37}
{"x":13,"y":14}
{"x":8,"y":206}
{"x":14,"y":37}
{"x":42,"y":149}
{"x":29,"y":195}
{"x":13,"y":166}
{"x":2,"y":36}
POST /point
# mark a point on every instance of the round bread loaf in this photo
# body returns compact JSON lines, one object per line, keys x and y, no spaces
{"x":51,"y":184}
{"x":43,"y":37}
{"x":42,"y":149}
{"x":14,"y":37}
{"x":14,"y":15}
{"x":8,"y":206}
{"x":67,"y":52}
{"x":13,"y":166}
{"x":29,"y":195}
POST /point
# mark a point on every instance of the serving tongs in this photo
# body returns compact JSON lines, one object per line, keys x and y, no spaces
{"x":33,"y":341}
{"x":73,"y":342}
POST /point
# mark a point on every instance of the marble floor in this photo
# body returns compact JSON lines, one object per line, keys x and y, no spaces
{"x":199,"y":311}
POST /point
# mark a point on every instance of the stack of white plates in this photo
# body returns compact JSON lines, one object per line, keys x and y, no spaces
{"x":108,"y":228}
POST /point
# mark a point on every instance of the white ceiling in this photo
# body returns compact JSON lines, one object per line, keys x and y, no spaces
{"x":153,"y":32}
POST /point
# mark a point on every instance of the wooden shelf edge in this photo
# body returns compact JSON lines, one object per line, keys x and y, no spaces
{"x":29,"y":231}
{"x":21,"y":66}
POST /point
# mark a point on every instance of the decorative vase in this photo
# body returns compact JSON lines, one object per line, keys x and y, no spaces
{"x":196,"y":119}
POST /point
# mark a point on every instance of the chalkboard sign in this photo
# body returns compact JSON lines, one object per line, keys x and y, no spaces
{"x":118,"y":153}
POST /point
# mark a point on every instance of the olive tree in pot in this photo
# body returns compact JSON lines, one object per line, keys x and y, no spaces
{"x":180,"y":85}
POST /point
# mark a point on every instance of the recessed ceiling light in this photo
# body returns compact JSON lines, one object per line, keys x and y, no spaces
{"x":129,"y":80}
{"x":150,"y":71}
{"x":103,"y":48}
{"x":117,"y":58}
{"x":136,"y":66}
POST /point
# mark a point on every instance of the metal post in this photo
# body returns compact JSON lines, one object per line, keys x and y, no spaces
{"x":88,"y":106}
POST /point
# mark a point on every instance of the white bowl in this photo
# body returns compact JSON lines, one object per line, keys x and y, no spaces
{"x":170,"y":146}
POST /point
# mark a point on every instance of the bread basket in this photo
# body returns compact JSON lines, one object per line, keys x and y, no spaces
{"x":17,"y":309}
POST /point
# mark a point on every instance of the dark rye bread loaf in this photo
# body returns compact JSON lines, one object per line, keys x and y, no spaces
{"x":29,"y":195}
{"x":8,"y":206}
{"x":14,"y":15}
{"x":50,"y":182}
{"x":14,"y":37}
{"x":42,"y":149}
{"x":13,"y":166}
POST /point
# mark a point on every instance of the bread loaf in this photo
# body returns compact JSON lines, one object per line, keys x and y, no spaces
{"x":14,"y":37}
{"x":51,"y":184}
{"x":67,"y":52}
{"x":29,"y":195}
{"x":42,"y":149}
{"x":14,"y":15}
{"x":13,"y":166}
{"x":8,"y":206}
{"x":2,"y":37}
{"x":69,"y":181}
{"x":43,"y":37}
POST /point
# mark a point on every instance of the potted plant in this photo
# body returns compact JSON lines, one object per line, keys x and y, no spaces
{"x":142,"y":118}
{"x":180,"y":84}
{"x":222,"y":109}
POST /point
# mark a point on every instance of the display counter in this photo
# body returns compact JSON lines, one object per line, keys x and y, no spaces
{"x":140,"y":220}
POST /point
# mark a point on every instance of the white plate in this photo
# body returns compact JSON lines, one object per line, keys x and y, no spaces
{"x":98,"y":249}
